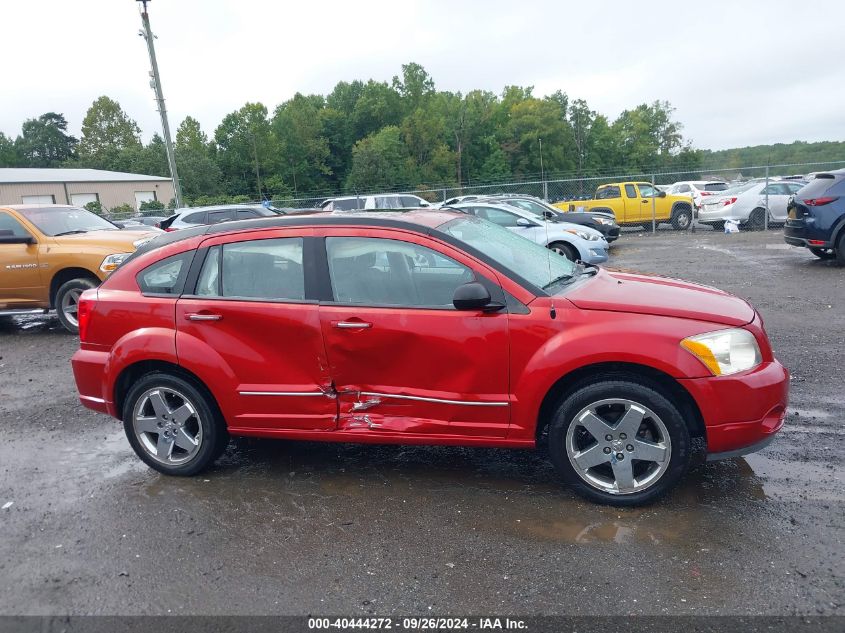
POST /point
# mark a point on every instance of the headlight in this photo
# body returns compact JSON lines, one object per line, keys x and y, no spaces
{"x":725,"y":352}
{"x":111,"y":262}
{"x":590,"y":237}
{"x":606,"y":221}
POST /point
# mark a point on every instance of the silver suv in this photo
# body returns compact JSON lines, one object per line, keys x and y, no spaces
{"x":195,"y":216}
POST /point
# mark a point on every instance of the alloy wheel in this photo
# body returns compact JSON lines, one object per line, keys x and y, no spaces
{"x":167,"y":425}
{"x":70,"y":305}
{"x":618,"y":446}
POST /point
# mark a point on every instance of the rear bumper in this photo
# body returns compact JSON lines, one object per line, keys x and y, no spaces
{"x":795,"y":233}
{"x":89,"y":371}
{"x":742,"y":413}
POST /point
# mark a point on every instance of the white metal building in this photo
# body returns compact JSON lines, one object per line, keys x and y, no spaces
{"x":80,"y":186}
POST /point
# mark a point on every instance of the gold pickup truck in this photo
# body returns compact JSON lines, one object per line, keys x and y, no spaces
{"x":635,"y":203}
{"x":50,"y":254}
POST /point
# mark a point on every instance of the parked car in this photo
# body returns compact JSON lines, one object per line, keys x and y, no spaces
{"x":746,"y":204}
{"x":816,"y":216}
{"x":570,"y":240}
{"x":455,"y":200}
{"x":636,"y":203}
{"x":147,"y":220}
{"x":50,"y":254}
{"x":698,"y":190}
{"x":604,"y":223}
{"x":616,"y":372}
{"x":385,"y":201}
{"x":194,"y":216}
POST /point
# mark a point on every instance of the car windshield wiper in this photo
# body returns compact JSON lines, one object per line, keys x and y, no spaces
{"x":71,"y":232}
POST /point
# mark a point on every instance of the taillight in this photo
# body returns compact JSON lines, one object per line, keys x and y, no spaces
{"x":706,"y":193}
{"x":83,"y":315}
{"x":728,"y":201}
{"x":820,"y":202}
{"x":168,"y":230}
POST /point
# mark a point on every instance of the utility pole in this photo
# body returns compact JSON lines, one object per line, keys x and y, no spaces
{"x":155,"y":84}
{"x":542,"y":173}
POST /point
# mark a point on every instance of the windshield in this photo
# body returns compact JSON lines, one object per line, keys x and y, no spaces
{"x":54,"y":221}
{"x":533,"y":262}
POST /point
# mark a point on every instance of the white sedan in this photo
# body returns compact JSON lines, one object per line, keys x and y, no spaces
{"x":746,"y":204}
{"x":573,"y":241}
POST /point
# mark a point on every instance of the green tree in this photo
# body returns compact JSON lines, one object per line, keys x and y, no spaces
{"x":44,"y":142}
{"x":303,"y":151}
{"x":647,"y":136}
{"x":198,"y":172}
{"x":246,"y":150}
{"x":529,"y":121}
{"x":379,"y":162}
{"x":106,"y":132}
{"x":415,"y":87}
{"x":377,"y":106}
{"x":8,"y":152}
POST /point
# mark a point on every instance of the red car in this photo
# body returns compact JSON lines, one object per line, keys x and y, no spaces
{"x":426,"y":327}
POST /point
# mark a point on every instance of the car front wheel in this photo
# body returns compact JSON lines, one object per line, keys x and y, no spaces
{"x":173,"y":425}
{"x":67,"y":302}
{"x":567,"y":250}
{"x":619,"y":442}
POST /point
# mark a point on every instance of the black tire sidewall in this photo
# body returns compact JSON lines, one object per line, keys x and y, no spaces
{"x":648,"y":395}
{"x":571,"y":253}
{"x":840,"y":248}
{"x":676,"y":224}
{"x":73,"y":284}
{"x":214,"y":436}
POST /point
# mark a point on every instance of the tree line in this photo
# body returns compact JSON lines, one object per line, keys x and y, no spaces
{"x":369,"y":136}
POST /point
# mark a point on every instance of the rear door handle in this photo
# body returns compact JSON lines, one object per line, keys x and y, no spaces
{"x":351,"y":325}
{"x":197,"y":316}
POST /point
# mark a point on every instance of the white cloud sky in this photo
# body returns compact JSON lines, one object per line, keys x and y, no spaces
{"x":737,"y":73}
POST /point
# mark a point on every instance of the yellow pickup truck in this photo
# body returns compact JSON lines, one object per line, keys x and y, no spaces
{"x":633,"y":204}
{"x":50,"y":254}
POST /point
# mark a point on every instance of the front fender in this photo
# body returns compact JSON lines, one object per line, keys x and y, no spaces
{"x":581,"y":338}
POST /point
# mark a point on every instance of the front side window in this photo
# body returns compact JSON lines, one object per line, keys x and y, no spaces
{"x":8,"y":223}
{"x":269,"y":270}
{"x":647,"y":191}
{"x":166,"y":277}
{"x":376,"y":271}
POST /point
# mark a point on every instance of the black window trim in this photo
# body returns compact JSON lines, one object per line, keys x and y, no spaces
{"x":191,"y":257}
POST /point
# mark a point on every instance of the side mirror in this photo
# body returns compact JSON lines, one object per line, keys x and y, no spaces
{"x":548,"y":215}
{"x":471,"y":296}
{"x":523,"y":223}
{"x":8,"y":237}
{"x":661,"y":194}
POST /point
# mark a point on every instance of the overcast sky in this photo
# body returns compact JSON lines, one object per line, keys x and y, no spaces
{"x":738,"y":73}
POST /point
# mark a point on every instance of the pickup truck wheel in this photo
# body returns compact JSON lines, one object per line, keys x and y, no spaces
{"x":173,"y":425}
{"x":823,"y":253}
{"x":567,"y":250}
{"x":681,"y":218}
{"x":619,"y":442}
{"x":67,"y":300}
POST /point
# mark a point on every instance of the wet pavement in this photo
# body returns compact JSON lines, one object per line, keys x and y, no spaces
{"x":295,"y":528}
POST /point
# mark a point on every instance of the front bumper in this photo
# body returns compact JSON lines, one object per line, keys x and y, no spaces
{"x":742,"y":412}
{"x":596,"y":253}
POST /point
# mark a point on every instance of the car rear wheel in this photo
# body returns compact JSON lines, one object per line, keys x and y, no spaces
{"x":840,"y":249}
{"x":67,"y":302}
{"x":681,"y":218}
{"x":823,"y":253}
{"x":757,"y":220}
{"x":173,"y":425}
{"x":567,"y":250}
{"x":619,"y":442}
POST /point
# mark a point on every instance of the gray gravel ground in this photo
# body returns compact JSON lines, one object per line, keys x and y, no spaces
{"x":295,"y":528}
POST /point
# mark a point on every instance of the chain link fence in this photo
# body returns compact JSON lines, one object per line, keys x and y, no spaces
{"x":761,"y":205}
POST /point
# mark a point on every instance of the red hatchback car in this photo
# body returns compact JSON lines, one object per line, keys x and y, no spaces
{"x":426,"y":327}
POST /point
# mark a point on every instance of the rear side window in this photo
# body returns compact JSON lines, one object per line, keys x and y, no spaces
{"x":630,"y":191}
{"x":220,"y":216}
{"x":818,"y":186}
{"x":606,"y":193}
{"x":194,"y":218}
{"x":166,"y":277}
{"x":246,"y":214}
{"x":269,"y":270}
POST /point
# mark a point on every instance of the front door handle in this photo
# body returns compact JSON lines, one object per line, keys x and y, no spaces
{"x":198,"y":316}
{"x":351,"y":325}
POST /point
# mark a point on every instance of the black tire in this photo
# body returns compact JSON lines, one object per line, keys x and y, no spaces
{"x":840,"y":248}
{"x":681,"y":217}
{"x":823,"y":253}
{"x":65,"y":301}
{"x":757,"y":220}
{"x":214,"y":436}
{"x":567,"y":250}
{"x":639,"y":392}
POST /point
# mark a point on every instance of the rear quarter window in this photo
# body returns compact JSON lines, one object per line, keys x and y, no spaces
{"x":165,"y":277}
{"x":820,"y":185}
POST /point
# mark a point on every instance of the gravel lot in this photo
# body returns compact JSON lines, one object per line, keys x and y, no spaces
{"x":296,"y":528}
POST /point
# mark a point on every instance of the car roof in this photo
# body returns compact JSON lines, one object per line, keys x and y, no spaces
{"x":219,"y":207}
{"x":39,"y":207}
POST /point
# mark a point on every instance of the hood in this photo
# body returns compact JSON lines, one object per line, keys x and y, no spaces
{"x":557,"y":227}
{"x":618,"y":291}
{"x":114,"y":241}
